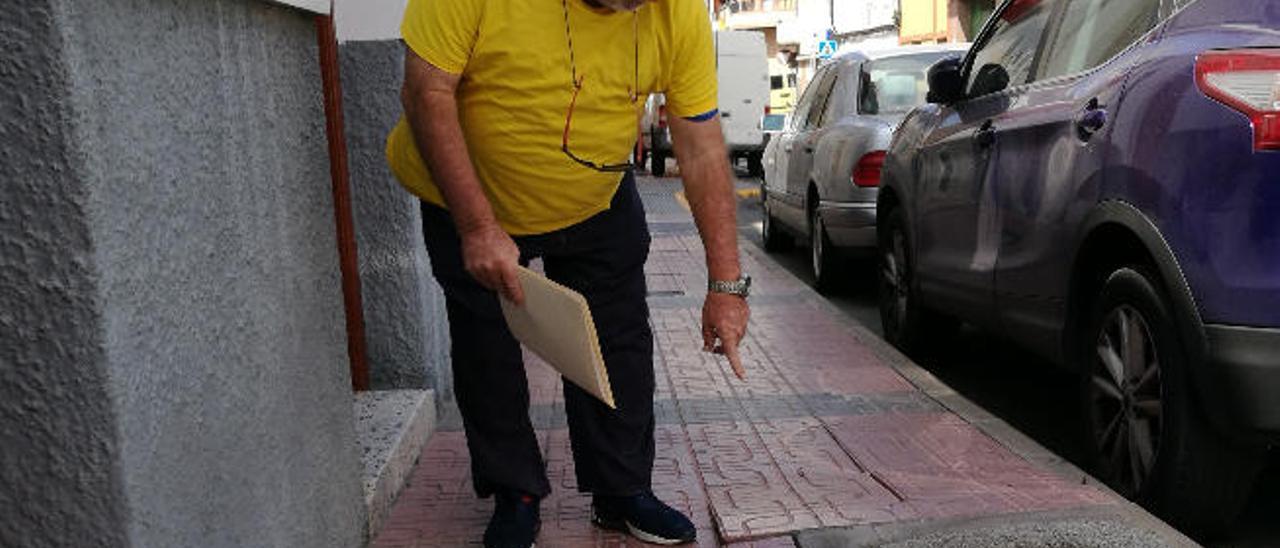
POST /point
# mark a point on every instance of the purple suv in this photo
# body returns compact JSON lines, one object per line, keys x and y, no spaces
{"x":1099,"y":180}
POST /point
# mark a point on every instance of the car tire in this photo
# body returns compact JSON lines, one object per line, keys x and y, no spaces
{"x":658,"y":164}
{"x":772,"y":237}
{"x":906,"y":323}
{"x":1144,"y":433}
{"x":823,"y":256}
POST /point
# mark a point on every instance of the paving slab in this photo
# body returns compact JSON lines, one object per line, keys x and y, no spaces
{"x":834,"y":438}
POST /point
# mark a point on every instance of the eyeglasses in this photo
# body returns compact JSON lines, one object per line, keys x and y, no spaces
{"x":577,"y":88}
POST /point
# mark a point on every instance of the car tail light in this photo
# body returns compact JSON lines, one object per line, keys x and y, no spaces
{"x":662,"y":116}
{"x":1247,"y":80}
{"x":866,"y":173}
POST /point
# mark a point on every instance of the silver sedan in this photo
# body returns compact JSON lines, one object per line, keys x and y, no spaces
{"x":822,"y":172}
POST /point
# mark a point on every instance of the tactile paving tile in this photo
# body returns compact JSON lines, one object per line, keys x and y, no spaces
{"x":829,"y":482}
{"x":944,"y":467}
{"x":566,"y":512}
{"x":748,"y":491}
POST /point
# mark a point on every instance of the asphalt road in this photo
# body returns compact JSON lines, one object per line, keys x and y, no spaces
{"x":1020,"y":388}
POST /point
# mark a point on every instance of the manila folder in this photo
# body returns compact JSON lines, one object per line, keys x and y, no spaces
{"x":555,"y":323}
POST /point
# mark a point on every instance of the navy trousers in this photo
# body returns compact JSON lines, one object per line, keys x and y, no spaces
{"x":603,"y":258}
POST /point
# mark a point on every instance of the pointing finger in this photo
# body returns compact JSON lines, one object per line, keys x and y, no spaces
{"x":730,"y":346}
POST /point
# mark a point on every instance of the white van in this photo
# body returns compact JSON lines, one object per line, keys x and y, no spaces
{"x":743,"y":74}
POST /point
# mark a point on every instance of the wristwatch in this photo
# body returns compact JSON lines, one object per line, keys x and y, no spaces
{"x":740,"y":287}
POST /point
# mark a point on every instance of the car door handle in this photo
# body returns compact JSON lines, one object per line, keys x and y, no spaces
{"x":1090,"y":120}
{"x":985,"y":136}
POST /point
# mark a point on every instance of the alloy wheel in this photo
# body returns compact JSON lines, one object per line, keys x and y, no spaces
{"x":1126,"y":399}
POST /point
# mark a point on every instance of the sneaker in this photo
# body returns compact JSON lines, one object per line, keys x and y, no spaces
{"x":515,"y":522}
{"x":644,"y":517}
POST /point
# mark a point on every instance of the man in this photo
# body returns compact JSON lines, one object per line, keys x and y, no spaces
{"x":519,"y":116}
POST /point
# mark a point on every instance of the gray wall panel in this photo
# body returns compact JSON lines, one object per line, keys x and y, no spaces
{"x":202,"y":130}
{"x":59,"y":476}
{"x":404,"y":308}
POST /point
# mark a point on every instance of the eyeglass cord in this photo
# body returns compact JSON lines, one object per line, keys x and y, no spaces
{"x":635,"y":35}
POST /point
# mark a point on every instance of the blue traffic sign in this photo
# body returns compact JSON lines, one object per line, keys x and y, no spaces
{"x":827,"y":49}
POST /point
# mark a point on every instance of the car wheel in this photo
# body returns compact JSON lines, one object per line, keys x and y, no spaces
{"x":823,"y":256}
{"x":771,"y":235}
{"x":1147,"y":438}
{"x":906,"y":324}
{"x":657,"y":164}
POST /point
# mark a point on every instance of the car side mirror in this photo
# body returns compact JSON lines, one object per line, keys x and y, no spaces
{"x":945,"y":84}
{"x":990,"y":78}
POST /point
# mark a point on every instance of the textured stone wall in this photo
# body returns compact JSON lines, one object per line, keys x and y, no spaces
{"x":404,"y":309}
{"x":177,"y":308}
{"x":59,"y":480}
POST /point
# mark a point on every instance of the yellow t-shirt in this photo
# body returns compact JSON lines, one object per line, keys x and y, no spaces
{"x":516,"y":87}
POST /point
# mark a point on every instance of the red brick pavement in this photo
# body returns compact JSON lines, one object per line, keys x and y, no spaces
{"x":823,"y":433}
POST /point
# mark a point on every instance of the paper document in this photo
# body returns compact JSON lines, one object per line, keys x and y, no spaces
{"x":555,"y":323}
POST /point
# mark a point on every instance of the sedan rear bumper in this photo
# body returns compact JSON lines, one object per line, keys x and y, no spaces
{"x":850,"y":224}
{"x":1246,"y":363}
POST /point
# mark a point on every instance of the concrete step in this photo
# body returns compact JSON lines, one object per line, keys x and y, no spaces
{"x":392,"y":427}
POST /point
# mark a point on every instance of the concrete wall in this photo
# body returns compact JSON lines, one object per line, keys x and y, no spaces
{"x":59,"y":476}
{"x":405,"y":324}
{"x":185,"y":242}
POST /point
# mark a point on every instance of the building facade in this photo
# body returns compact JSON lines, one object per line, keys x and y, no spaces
{"x":937,"y":21}
{"x":860,"y":25}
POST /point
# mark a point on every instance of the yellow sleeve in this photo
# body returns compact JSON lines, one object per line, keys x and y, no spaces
{"x":442,"y":32}
{"x":691,"y":88}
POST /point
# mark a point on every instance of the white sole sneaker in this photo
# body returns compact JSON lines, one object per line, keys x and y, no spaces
{"x":639,"y":534}
{"x":653,"y":539}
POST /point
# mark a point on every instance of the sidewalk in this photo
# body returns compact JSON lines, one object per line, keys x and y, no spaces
{"x":834,"y":439}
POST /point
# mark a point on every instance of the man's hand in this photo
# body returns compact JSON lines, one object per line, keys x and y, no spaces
{"x":491,"y":256}
{"x":708,"y":183}
{"x":724,"y":325}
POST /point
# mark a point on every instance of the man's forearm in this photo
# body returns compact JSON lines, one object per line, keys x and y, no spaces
{"x":433,"y":116}
{"x":708,"y":185}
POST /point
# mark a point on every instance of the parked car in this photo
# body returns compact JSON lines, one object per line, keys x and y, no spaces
{"x":821,"y":171}
{"x":742,"y":68}
{"x":1100,"y":181}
